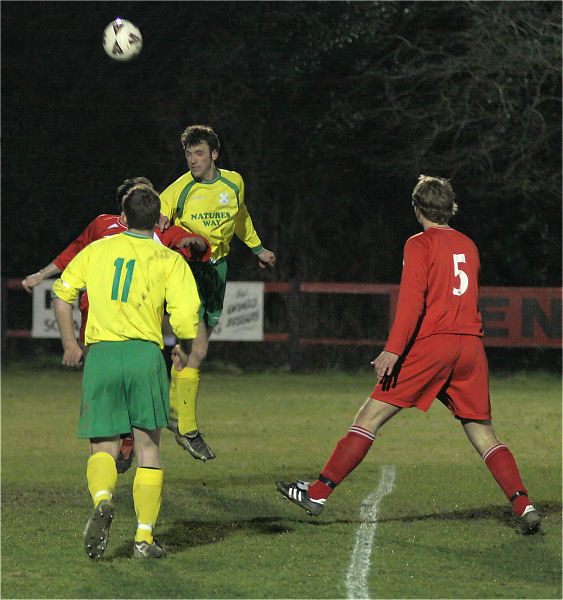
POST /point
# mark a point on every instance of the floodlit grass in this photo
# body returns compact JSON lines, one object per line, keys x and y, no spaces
{"x":445,"y":531}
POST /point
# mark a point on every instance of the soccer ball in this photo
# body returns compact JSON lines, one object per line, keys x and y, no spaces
{"x":122,"y":40}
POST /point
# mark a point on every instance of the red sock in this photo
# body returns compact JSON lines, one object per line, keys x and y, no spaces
{"x":347,"y":455}
{"x":503,"y":468}
{"x":126,"y":446}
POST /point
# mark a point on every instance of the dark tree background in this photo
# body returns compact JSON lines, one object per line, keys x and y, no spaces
{"x":330,"y":110}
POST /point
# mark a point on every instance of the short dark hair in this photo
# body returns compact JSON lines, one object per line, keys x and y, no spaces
{"x":434,"y":198}
{"x":199,"y":134}
{"x":141,"y":206}
{"x":127,"y":184}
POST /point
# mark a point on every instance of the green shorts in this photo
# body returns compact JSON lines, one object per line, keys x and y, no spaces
{"x":125,"y":385}
{"x":211,"y":280}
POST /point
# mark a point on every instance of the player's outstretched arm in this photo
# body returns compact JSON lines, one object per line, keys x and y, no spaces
{"x":90,"y":234}
{"x":266,"y":258}
{"x":31,"y":281}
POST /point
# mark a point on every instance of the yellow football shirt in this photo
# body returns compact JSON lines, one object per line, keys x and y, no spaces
{"x":214,"y":209}
{"x":129,"y":277}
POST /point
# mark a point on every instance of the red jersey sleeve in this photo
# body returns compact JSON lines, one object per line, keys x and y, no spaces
{"x":412,"y":292}
{"x":85,"y":238}
{"x":174,"y":234}
{"x":101,"y":226}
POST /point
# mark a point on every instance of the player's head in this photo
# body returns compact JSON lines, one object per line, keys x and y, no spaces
{"x":201,"y":147}
{"x":141,"y":206}
{"x":200,"y":134}
{"x":124,"y":187}
{"x":434,"y":198}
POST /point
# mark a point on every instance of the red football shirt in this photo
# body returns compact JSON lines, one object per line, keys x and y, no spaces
{"x":105,"y":225}
{"x":439,"y":288}
{"x":102,"y":226}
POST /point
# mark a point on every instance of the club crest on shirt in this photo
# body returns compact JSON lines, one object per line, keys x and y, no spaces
{"x":223,"y":199}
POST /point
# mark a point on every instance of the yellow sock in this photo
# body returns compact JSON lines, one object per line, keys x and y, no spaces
{"x":147,"y":495}
{"x":184,"y":386}
{"x":102,"y":476}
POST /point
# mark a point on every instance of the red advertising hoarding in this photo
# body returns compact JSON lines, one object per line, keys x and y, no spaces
{"x":521,"y":317}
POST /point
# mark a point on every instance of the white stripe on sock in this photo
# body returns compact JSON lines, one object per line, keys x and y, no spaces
{"x":361,"y":431}
{"x":103,"y":493}
{"x":491,"y":450}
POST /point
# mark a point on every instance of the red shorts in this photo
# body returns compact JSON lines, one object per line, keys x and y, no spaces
{"x":452,"y":368}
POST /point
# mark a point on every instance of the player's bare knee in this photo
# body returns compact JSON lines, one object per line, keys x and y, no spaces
{"x":373,"y":414}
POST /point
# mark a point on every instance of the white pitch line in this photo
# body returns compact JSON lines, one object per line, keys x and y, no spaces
{"x":356,"y":578}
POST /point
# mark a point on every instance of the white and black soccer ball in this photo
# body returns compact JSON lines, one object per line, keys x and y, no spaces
{"x":122,"y":40}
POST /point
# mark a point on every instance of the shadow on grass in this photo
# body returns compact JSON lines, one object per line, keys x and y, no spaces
{"x":188,"y":534}
{"x":184,"y":534}
{"x":502,"y":514}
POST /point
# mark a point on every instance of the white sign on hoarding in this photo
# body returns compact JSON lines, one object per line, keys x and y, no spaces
{"x":44,"y":324}
{"x":242,"y":318}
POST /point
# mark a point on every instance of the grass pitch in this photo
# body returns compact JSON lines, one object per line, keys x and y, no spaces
{"x":444,"y":531}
